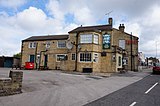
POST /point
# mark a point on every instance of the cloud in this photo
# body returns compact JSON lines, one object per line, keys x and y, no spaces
{"x":31,"y":19}
{"x":140,"y":17}
{"x":12,"y":3}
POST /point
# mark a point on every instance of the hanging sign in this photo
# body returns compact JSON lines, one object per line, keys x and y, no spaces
{"x":106,"y":41}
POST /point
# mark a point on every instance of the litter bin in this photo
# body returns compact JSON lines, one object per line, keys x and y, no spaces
{"x":29,"y":65}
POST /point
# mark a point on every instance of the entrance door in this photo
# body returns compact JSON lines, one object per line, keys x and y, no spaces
{"x":31,"y":58}
{"x":45,"y":60}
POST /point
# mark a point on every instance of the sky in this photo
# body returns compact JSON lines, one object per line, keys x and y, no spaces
{"x":20,"y":19}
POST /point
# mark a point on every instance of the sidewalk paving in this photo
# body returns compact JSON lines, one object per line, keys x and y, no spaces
{"x":76,"y":94}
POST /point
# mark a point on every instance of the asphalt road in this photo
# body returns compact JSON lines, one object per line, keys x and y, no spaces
{"x":145,"y":92}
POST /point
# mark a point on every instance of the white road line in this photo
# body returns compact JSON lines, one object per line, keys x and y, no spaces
{"x":133,"y":104}
{"x":151,"y":88}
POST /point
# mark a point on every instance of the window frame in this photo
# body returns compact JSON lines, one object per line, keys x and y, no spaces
{"x":61,"y":44}
{"x":85,"y":60}
{"x":32,"y":45}
{"x":95,"y":39}
{"x":74,"y":56}
{"x":57,"y":56}
{"x":122,"y":43}
{"x":85,"y":38}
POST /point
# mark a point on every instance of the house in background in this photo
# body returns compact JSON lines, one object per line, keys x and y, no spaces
{"x":8,"y":62}
{"x":99,"y":48}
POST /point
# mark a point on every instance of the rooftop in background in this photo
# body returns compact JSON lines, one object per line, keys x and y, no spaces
{"x":49,"y":37}
{"x":92,"y":28}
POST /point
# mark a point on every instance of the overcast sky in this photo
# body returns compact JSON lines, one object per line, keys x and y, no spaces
{"x":20,"y":19}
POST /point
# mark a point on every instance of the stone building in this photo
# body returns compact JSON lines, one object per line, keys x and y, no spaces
{"x":99,"y":48}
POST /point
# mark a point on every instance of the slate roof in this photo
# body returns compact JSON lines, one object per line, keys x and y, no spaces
{"x":92,"y":28}
{"x":47,"y":37}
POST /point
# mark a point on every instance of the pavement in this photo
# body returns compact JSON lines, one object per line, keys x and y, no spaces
{"x":56,"y":88}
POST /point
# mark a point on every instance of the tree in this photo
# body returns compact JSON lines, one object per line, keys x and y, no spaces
{"x":18,"y":55}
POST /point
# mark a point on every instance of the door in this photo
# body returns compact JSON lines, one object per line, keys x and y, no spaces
{"x":31,"y":58}
{"x":45,"y":60}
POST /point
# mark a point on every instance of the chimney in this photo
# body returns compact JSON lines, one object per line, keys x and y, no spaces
{"x":110,"y":21}
{"x":121,"y":27}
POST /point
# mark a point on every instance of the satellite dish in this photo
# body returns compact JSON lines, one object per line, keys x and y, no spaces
{"x":69,"y":45}
{"x":79,"y":46}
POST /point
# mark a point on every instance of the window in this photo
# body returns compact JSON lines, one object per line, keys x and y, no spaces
{"x":32,"y":44}
{"x":74,"y":56}
{"x":48,"y":44}
{"x":95,"y":58}
{"x":119,"y":61}
{"x":86,"y":38}
{"x":95,"y":40}
{"x":85,"y":57}
{"x":122,"y":44}
{"x":61,"y":44}
{"x":61,"y":57}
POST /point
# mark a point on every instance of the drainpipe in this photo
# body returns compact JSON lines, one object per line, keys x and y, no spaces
{"x":76,"y":44}
{"x":21,"y":55}
{"x":35,"y":58}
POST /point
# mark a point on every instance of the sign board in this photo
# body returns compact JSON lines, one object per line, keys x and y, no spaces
{"x":106,"y":41}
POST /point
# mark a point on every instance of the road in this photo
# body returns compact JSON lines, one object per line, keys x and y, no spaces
{"x":142,"y":93}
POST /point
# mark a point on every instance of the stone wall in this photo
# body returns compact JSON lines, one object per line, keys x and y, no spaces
{"x":11,"y":85}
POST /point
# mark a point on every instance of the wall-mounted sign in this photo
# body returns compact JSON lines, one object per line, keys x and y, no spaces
{"x":106,"y":41}
{"x":128,"y":42}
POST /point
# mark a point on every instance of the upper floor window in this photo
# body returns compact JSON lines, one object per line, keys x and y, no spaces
{"x":32,"y":44}
{"x":122,"y":44}
{"x":95,"y":39}
{"x":61,"y":44}
{"x":86,"y":38}
{"x":89,"y":38}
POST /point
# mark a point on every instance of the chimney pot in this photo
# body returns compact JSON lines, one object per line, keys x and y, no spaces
{"x":121,"y":27}
{"x":110,"y":21}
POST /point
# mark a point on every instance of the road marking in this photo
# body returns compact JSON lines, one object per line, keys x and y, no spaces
{"x":151,"y":88}
{"x":133,"y":104}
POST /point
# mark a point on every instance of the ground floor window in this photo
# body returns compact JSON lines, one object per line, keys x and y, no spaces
{"x":60,"y":57}
{"x":85,"y":57}
{"x":73,"y":56}
{"x":119,"y":60}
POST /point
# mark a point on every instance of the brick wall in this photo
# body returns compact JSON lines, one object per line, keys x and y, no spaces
{"x":11,"y":85}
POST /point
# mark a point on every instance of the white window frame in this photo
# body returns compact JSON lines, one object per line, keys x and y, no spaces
{"x":86,"y":38}
{"x":85,"y":57}
{"x":95,"y":40}
{"x":74,"y":56}
{"x":58,"y":46}
{"x":122,"y":43}
{"x":57,"y":56}
{"x":32,"y":45}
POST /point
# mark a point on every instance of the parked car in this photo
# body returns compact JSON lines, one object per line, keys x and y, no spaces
{"x":156,"y":68}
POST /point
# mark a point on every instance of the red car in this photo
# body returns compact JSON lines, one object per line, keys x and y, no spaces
{"x":156,"y":68}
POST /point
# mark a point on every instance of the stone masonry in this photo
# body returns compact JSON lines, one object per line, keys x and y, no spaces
{"x":11,"y":85}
